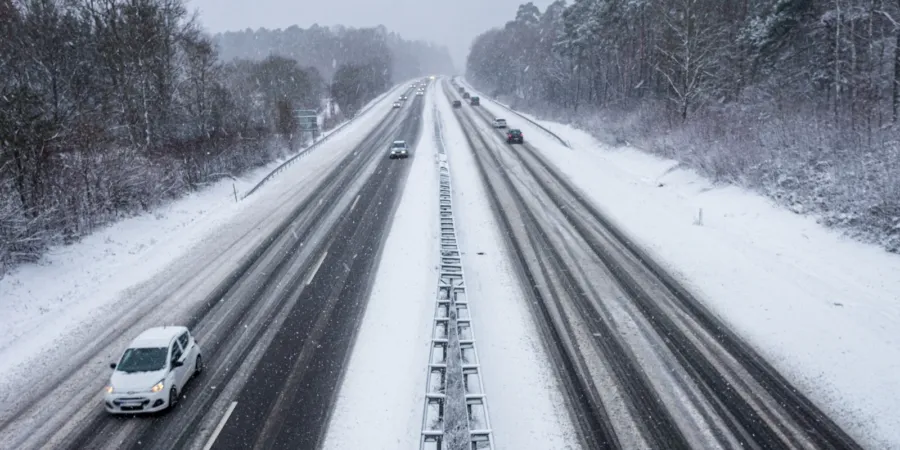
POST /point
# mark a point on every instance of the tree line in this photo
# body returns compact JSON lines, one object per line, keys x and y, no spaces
{"x":797,"y":98}
{"x":361,"y":62}
{"x":110,"y":107}
{"x":328,"y":48}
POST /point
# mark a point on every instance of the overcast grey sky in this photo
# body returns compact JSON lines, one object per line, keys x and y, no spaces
{"x":453,"y":23}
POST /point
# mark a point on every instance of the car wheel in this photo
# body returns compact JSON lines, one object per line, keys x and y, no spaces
{"x":173,"y":398}
{"x":198,"y":365}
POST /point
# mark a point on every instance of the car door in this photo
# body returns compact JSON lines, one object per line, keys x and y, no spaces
{"x":190,"y":352}
{"x":177,"y":355}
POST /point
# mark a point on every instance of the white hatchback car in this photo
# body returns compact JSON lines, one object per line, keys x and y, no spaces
{"x":153,"y":371}
{"x":499,"y":123}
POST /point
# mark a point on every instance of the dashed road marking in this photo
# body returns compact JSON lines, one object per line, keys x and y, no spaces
{"x":315,"y":270}
{"x":220,"y":426}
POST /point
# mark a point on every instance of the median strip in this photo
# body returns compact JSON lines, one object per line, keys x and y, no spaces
{"x":456,"y":412}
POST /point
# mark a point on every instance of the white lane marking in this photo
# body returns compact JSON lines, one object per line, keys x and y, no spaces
{"x":220,"y":426}
{"x":354,"y":203}
{"x":316,"y":269}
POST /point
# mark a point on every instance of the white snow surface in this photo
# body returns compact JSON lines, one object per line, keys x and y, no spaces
{"x":526,"y":406}
{"x":381,"y":399}
{"x":52,"y":309}
{"x":823,"y":309}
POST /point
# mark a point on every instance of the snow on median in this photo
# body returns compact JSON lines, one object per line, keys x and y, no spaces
{"x":823,"y":309}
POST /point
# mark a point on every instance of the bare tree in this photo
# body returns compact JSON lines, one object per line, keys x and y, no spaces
{"x":688,"y":51}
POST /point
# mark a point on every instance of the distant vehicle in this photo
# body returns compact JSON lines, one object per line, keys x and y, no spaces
{"x":475,"y":101}
{"x":403,"y":97}
{"x":457,"y":104}
{"x":420,"y":92}
{"x":514,"y":136}
{"x":399,"y":149}
{"x":153,"y":371}
{"x":462,"y":90}
{"x":499,"y":123}
{"x":396,"y":105}
{"x":466,"y":95}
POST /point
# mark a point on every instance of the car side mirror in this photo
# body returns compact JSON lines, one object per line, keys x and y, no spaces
{"x":112,"y":365}
{"x":177,"y":364}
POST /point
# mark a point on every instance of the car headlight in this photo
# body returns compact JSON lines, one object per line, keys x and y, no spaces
{"x":157,"y":387}
{"x":109,"y":389}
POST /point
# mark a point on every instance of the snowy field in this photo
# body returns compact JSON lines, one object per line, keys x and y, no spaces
{"x":380,"y":401}
{"x":822,"y":308}
{"x":77,"y":293}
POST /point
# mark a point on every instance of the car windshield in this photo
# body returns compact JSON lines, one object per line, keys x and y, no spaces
{"x":399,"y":145}
{"x":143,"y":360}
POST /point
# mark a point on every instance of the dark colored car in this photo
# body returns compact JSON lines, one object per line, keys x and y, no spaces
{"x":475,"y":101}
{"x":462,"y":90}
{"x":399,"y":150}
{"x":466,"y":95}
{"x":515,"y":136}
{"x":457,"y":104}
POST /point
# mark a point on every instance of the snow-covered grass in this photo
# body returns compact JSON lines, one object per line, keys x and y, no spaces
{"x":52,"y":310}
{"x":822,"y":308}
{"x":379,"y":405}
{"x":526,"y":404}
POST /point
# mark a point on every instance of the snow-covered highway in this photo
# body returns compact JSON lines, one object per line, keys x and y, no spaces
{"x":315,"y":307}
{"x":644,"y":363}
